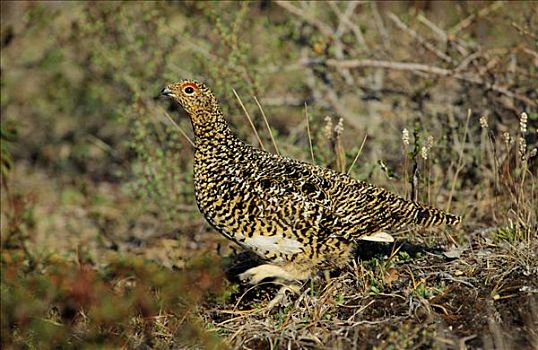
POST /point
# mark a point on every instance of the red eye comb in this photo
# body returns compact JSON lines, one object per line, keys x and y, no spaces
{"x":193,"y":85}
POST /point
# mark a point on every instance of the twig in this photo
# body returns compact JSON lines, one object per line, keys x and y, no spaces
{"x":524,"y":31}
{"x":249,"y":119}
{"x":448,"y":277}
{"x":443,"y":36}
{"x":339,"y":47}
{"x":308,"y":131}
{"x":344,"y":19}
{"x":467,"y":60}
{"x":179,"y":129}
{"x":419,"y":38}
{"x":358,"y":154}
{"x":462,"y":341}
{"x":327,"y":96}
{"x":356,"y":63}
{"x":469,"y":19}
{"x":532,"y":53}
{"x":322,"y":27}
{"x":433,"y":27}
{"x":380,"y":25}
{"x":267,"y":125}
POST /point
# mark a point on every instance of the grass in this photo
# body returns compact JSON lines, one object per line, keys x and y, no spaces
{"x":102,"y":245}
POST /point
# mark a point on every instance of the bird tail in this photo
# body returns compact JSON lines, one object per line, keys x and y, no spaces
{"x":427,"y":216}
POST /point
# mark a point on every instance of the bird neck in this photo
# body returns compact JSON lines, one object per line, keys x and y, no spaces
{"x":210,"y":126}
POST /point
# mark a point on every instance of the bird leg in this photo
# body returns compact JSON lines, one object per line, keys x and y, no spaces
{"x":256,"y":274}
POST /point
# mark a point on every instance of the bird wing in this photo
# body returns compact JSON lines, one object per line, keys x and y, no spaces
{"x":324,"y":200}
{"x":337,"y":205}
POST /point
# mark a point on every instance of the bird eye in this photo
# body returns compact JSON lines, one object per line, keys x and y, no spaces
{"x":189,"y":90}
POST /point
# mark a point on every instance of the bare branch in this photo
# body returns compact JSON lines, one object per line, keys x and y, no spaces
{"x":339,"y":47}
{"x":380,"y":25}
{"x":467,"y":60}
{"x":524,"y":31}
{"x":419,"y":38}
{"x":433,"y":27}
{"x":443,"y":36}
{"x":419,"y":67}
{"x":322,"y":27}
{"x":356,"y":63}
{"x":346,"y":22}
{"x":470,"y":19}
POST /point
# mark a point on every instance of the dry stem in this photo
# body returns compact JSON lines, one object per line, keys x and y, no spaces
{"x":308,"y":132}
{"x":267,"y":126}
{"x":249,"y":119}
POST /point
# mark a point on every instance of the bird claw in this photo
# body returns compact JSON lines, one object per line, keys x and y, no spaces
{"x":251,"y":277}
{"x":281,"y":294}
{"x":257,"y":274}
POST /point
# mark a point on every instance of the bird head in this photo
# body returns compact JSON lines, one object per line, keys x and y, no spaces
{"x":194,"y":97}
{"x":201,"y":106}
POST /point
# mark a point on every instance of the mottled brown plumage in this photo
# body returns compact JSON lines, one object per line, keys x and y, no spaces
{"x":298,"y":217}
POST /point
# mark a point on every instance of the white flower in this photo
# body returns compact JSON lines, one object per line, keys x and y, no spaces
{"x":405,"y":136}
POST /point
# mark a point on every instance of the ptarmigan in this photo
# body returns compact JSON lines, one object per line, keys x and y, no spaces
{"x":298,"y":217}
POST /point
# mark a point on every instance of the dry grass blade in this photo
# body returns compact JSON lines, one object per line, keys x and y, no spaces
{"x":249,"y":119}
{"x":460,"y":165}
{"x":267,"y":125}
{"x":308,"y":132}
{"x":178,"y":128}
{"x":358,"y":154}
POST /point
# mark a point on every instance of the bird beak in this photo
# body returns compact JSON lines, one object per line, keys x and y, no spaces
{"x":167,"y":92}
